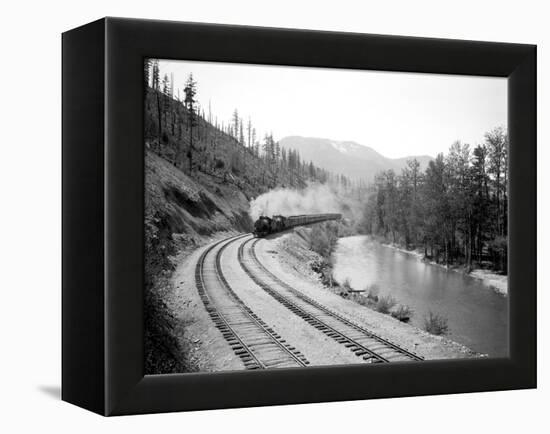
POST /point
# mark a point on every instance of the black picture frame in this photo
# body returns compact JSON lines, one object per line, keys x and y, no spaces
{"x":103,"y":204}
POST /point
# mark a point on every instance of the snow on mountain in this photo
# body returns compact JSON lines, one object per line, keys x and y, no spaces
{"x":346,"y":157}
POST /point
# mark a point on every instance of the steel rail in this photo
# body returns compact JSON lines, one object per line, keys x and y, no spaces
{"x":357,"y":347}
{"x":218,"y":319}
{"x":250,"y":357}
{"x":267,"y":330}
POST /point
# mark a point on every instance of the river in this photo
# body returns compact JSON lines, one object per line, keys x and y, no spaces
{"x":477,"y":316}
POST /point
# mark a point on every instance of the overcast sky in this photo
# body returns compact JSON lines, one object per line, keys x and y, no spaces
{"x":397,"y":114}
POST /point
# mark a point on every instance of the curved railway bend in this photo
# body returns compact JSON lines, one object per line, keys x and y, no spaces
{"x":253,"y":341}
{"x":268,"y":323}
{"x":371,"y":347}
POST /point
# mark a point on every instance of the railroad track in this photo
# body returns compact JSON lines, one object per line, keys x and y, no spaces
{"x":364,"y":343}
{"x":257,"y":345}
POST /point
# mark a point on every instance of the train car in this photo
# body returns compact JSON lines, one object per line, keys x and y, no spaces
{"x":265,"y":225}
{"x":278,"y":223}
{"x":300,"y":220}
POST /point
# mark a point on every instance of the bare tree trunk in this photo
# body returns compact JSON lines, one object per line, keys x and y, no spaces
{"x":159,"y":110}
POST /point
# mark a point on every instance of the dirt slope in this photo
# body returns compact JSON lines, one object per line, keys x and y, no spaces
{"x":180,"y":214}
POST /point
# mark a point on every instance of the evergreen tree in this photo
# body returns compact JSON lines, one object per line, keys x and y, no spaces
{"x":235,"y":123}
{"x":249,"y":133}
{"x":241,"y":132}
{"x":156,"y":75}
{"x":456,"y":208}
{"x":497,"y":144}
{"x":480,"y":213}
{"x":146,"y":72}
{"x":156,"y":87}
{"x":190,"y":91}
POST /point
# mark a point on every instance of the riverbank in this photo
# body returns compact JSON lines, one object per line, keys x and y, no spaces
{"x":497,"y":282}
{"x":288,"y":255}
{"x":476,"y":315}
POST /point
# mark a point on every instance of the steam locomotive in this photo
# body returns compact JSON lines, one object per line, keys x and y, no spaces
{"x":265,"y":225}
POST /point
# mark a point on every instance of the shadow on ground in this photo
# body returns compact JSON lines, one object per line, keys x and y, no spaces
{"x":51,"y":391}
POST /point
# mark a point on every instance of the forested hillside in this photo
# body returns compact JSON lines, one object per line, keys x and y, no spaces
{"x":200,"y":175}
{"x":194,"y":141}
{"x":456,"y":209}
{"x":208,"y":170}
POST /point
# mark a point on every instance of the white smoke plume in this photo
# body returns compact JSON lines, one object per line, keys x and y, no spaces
{"x":315,"y":199}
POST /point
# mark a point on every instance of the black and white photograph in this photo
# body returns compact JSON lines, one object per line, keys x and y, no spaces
{"x":299,"y":217}
{"x":280,"y":217}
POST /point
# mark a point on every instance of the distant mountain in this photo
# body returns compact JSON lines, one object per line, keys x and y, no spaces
{"x":348,"y":158}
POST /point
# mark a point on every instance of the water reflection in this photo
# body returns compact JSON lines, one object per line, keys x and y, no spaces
{"x":477,"y":315}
